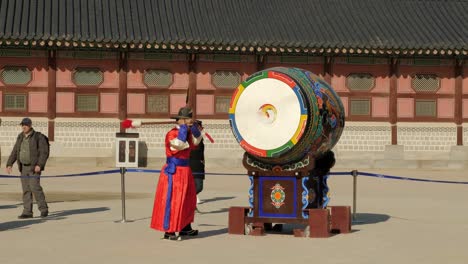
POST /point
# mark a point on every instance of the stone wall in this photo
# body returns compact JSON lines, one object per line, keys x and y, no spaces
{"x":433,"y":137}
{"x":360,"y":136}
{"x":86,"y":133}
{"x":93,"y":142}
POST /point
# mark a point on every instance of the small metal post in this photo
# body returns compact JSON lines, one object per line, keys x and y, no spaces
{"x":122,"y":174}
{"x":355,"y":173}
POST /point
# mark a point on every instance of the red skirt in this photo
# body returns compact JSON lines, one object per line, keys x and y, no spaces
{"x":182,"y":204}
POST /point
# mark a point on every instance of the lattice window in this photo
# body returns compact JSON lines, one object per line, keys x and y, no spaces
{"x":222,"y":104}
{"x":157,"y":104}
{"x":87,"y":103}
{"x":157,"y":78}
{"x":360,"y":81}
{"x":426,"y":108}
{"x":226,"y":79}
{"x":360,"y":107}
{"x":16,"y":75}
{"x":425,"y":82}
{"x":88,"y":76}
{"x":15,"y":102}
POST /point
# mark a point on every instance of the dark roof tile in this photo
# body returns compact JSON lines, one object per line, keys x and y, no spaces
{"x":335,"y":24}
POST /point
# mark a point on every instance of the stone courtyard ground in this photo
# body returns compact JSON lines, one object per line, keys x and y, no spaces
{"x":399,"y":222}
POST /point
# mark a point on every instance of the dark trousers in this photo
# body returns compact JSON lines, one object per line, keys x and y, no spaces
{"x":198,"y":185}
{"x":31,"y":185}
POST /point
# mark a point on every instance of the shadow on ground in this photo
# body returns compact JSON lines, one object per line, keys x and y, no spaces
{"x":222,"y":210}
{"x":10,"y":206}
{"x":368,"y":218}
{"x":214,"y":199}
{"x":58,"y":215}
{"x":210,"y":233}
{"x":58,"y":196}
{"x":64,"y":213}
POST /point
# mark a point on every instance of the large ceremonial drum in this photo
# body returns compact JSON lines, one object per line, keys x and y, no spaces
{"x":278,"y":115}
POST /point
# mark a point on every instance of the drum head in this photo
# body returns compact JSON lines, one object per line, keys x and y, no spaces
{"x":268,"y":115}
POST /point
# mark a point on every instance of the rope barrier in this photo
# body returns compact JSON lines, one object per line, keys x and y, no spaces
{"x":65,"y":175}
{"x":406,"y":178}
{"x":342,"y":173}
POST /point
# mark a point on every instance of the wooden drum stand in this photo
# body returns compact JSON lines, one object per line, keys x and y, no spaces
{"x":278,"y":194}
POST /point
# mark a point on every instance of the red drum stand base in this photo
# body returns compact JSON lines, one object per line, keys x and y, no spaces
{"x":278,"y":195}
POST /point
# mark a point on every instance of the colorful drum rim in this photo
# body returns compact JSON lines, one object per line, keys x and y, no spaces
{"x":276,"y":152}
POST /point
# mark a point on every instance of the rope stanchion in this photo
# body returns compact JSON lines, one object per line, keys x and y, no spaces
{"x":355,"y":174}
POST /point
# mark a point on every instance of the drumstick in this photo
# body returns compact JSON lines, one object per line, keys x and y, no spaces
{"x":128,"y":123}
{"x":208,"y":137}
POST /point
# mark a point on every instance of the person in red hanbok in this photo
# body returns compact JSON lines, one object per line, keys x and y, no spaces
{"x":175,"y":199}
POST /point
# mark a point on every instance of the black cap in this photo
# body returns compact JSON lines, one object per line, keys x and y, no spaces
{"x":184,"y":113}
{"x":26,"y":122}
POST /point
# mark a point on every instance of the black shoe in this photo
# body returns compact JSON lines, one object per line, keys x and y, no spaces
{"x":25,"y":216}
{"x":171,"y":236}
{"x":44,"y":214}
{"x":192,"y":232}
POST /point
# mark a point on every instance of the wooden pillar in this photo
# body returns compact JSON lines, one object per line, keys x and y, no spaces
{"x":236,"y":220}
{"x":393,"y":73}
{"x":51,"y":92}
{"x":459,"y":100}
{"x":261,"y":62}
{"x":192,"y":85}
{"x":123,"y":70}
{"x":327,"y":68}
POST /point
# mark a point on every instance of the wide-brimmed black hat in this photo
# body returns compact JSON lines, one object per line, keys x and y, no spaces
{"x":184,"y":113}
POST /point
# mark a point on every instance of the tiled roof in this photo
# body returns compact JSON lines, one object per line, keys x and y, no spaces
{"x":313,"y":26}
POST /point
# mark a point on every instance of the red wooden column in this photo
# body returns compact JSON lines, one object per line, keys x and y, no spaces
{"x":51,"y":92}
{"x":123,"y":72}
{"x":459,"y":100}
{"x":394,"y":72}
{"x":261,"y":62}
{"x":192,"y":85}
{"x":327,"y":68}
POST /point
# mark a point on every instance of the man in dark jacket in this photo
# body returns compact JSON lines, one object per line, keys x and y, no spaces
{"x":31,"y":151}
{"x":197,"y":162}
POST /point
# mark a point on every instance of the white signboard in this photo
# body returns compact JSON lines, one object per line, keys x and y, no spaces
{"x":126,"y":150}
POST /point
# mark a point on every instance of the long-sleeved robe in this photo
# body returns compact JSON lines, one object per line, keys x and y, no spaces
{"x":175,"y":199}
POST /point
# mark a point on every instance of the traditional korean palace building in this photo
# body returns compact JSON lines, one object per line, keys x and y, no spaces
{"x":79,"y":67}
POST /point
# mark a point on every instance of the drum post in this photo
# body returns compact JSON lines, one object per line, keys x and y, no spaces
{"x":355,"y":174}
{"x":122,"y":174}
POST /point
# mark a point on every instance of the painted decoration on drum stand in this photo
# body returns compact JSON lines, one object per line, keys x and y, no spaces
{"x":277,"y":196}
{"x":278,"y":115}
